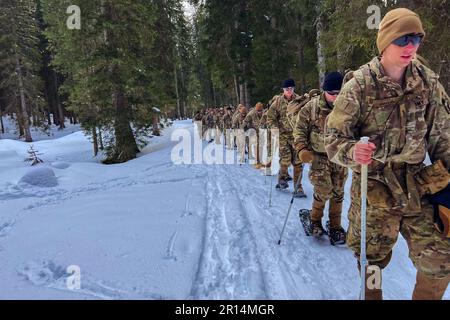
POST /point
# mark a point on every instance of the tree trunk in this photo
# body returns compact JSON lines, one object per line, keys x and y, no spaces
{"x":236,"y":88}
{"x":100,"y":138}
{"x":23,"y":105}
{"x":242,"y":94}
{"x":49,"y":120}
{"x":247,"y":96}
{"x":1,"y":124}
{"x":156,"y":126}
{"x":95,"y":140}
{"x":320,"y":55}
{"x":176,"y":90}
{"x":214,"y":94}
{"x":58,"y":103}
{"x":125,"y":145}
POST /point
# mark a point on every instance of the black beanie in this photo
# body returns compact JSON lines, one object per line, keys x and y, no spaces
{"x":288,"y":83}
{"x":332,"y":82}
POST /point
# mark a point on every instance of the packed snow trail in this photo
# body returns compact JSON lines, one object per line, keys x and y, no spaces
{"x":150,"y":229}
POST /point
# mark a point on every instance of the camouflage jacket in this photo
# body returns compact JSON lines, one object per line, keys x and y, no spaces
{"x":198,"y":117}
{"x":238,"y":121}
{"x":208,"y":121}
{"x":276,"y":116}
{"x":252,"y":120}
{"x":217,"y":118}
{"x":310,"y":124}
{"x":404,"y":123}
{"x":227,"y":121}
{"x":263,"y":122}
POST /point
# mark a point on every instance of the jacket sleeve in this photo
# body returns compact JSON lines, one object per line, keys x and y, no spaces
{"x":341,"y":132}
{"x":273,"y":115}
{"x":302,"y":127}
{"x":438,"y":122}
{"x":247,"y":123}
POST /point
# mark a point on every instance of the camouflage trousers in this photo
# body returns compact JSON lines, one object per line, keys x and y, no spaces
{"x":198,"y":124}
{"x":328,"y":180}
{"x":265,"y":145}
{"x":428,"y":249}
{"x":240,"y":142}
{"x":217,"y":135}
{"x":288,"y":156}
{"x":229,"y":140}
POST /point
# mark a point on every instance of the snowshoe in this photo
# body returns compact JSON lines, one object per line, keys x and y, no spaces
{"x":299,"y":193}
{"x":288,"y":178}
{"x":282,"y":185}
{"x":305,"y":219}
{"x":337,"y":236}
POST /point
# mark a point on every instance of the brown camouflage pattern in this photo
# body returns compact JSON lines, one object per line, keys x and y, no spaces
{"x":404,"y":123}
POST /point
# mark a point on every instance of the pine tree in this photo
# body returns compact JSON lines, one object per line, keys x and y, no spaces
{"x":108,"y":68}
{"x":20,"y":62}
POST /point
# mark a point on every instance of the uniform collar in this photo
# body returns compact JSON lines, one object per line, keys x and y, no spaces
{"x":411,"y":76}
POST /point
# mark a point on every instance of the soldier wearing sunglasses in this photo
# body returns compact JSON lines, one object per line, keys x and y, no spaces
{"x":401,"y":106}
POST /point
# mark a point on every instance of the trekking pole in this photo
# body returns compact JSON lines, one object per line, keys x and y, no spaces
{"x":289,"y":210}
{"x":270,"y":191}
{"x":363,"y":258}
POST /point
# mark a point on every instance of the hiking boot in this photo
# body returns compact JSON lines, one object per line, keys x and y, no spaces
{"x":337,"y":235}
{"x":299,"y":193}
{"x":316,"y":229}
{"x":282,"y":185}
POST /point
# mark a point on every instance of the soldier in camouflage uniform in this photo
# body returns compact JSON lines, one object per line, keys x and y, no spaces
{"x":277,"y":119}
{"x":251,"y":124}
{"x":239,"y":131}
{"x":198,"y":122}
{"x":227,"y":121}
{"x":208,"y":123}
{"x":401,"y":106}
{"x":217,"y":125}
{"x":265,"y":140}
{"x":328,"y":178}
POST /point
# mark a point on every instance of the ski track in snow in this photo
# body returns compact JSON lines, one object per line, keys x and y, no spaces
{"x":229,"y":266}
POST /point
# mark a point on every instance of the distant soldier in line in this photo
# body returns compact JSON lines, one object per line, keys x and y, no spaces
{"x":227,"y":121}
{"x":198,"y":122}
{"x":277,"y":118}
{"x":251,"y":124}
{"x":327,"y":177}
{"x":239,"y":132}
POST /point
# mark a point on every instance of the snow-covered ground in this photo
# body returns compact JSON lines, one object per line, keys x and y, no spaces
{"x":37,"y":134}
{"x":150,"y":229}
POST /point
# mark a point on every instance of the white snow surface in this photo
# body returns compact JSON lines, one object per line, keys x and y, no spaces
{"x":150,"y":229}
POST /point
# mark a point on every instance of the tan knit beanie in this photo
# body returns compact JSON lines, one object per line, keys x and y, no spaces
{"x":397,"y":23}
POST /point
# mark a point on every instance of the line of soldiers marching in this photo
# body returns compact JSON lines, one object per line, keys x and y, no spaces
{"x":398,"y":103}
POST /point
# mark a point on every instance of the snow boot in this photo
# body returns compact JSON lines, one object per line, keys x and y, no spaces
{"x":299,"y":193}
{"x":429,"y":289}
{"x":316,"y":229}
{"x":282,"y":185}
{"x":337,"y":235}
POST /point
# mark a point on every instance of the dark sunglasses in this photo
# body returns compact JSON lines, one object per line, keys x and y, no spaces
{"x":403,"y":41}
{"x":333,"y":93}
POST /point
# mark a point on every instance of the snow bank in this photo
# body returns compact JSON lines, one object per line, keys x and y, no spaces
{"x":39,"y":176}
{"x":7,"y":154}
{"x":60,"y":165}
